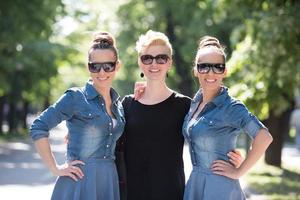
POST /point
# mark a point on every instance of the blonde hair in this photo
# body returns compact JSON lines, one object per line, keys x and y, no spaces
{"x":153,"y":38}
{"x":210,"y":42}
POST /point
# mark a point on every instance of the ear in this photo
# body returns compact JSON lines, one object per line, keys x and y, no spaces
{"x":170,"y":64}
{"x":118,"y":65}
{"x":225,"y":72}
{"x":195,"y":72}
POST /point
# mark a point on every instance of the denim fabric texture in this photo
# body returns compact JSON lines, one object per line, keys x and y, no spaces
{"x":210,"y":138}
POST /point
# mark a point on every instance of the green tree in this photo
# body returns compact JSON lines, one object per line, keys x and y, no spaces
{"x":27,"y":56}
{"x":267,"y":60}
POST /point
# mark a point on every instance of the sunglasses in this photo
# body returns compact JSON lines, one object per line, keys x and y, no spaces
{"x":204,"y":68}
{"x":159,"y":59}
{"x":106,"y":66}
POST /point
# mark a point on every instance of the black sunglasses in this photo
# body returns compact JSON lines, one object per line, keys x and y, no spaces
{"x":106,"y":66}
{"x":160,"y":59}
{"x":204,"y":68}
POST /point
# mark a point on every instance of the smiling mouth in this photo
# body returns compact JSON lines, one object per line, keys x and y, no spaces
{"x":102,"y":78}
{"x":154,"y":70}
{"x":210,"y":80}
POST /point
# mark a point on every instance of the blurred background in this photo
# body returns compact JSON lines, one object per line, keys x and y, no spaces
{"x":43,"y":51}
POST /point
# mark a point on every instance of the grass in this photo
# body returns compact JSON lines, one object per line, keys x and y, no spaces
{"x":274,"y":183}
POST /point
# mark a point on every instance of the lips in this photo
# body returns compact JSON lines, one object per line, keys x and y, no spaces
{"x":102,"y":78}
{"x":154,"y":70}
{"x":210,"y":80}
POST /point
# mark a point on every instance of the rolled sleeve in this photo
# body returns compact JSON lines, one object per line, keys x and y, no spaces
{"x":52,"y":116}
{"x":240,"y":118}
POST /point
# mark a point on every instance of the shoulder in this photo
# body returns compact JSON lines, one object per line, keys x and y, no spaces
{"x":75,"y":94}
{"x":127,"y":98}
{"x":75,"y":91}
{"x":182,"y":101}
{"x":182,"y":98}
{"x":235,"y":109}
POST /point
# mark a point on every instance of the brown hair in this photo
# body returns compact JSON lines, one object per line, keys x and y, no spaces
{"x":210,"y":42}
{"x":104,"y":40}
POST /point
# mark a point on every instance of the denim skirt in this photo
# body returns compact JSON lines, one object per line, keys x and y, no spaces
{"x":100,"y":182}
{"x":204,"y":185}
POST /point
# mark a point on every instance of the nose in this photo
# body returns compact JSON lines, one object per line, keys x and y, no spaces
{"x":101,"y":71}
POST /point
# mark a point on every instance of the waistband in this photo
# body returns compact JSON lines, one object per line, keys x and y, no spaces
{"x":95,"y":160}
{"x":201,"y":169}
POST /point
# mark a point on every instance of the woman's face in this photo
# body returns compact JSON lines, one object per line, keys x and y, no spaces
{"x":103,"y":59}
{"x":213,"y":79}
{"x":155,"y":62}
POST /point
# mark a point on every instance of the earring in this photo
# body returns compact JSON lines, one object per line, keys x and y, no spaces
{"x":142,"y":74}
{"x":167,"y":75}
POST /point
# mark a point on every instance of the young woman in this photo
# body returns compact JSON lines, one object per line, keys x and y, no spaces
{"x":95,"y":120}
{"x":211,"y":128}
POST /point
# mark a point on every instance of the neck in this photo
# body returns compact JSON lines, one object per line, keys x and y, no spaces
{"x":156,"y":91}
{"x":103,"y":91}
{"x":209,"y":95}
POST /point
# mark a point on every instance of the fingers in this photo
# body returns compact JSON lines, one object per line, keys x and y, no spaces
{"x":77,"y":171}
{"x":237,"y":152}
{"x":235,"y":158}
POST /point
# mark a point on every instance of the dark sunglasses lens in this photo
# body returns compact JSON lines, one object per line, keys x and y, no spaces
{"x":94,"y":67}
{"x":218,"y":68}
{"x":147,"y":59}
{"x":161,"y":59}
{"x":108,"y":67}
{"x":203,"y":68}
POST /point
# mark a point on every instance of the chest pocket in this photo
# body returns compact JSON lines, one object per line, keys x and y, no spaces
{"x":87,"y":114}
{"x":214,"y":127}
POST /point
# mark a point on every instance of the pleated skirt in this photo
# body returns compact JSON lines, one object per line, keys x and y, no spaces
{"x":100,"y":182}
{"x":204,"y":185}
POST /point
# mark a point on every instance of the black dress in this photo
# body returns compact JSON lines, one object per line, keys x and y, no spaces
{"x":153,"y":147}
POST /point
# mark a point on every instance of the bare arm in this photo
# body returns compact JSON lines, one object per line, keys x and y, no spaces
{"x":259,"y":146}
{"x":43,"y":148}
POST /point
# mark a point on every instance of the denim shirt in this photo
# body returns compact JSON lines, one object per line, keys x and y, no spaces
{"x":217,"y":127}
{"x":90,"y":128}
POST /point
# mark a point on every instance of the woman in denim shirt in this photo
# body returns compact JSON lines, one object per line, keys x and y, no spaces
{"x":95,"y":120}
{"x":211,"y":128}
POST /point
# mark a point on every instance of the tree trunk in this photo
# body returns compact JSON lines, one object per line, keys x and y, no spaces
{"x":278,"y":126}
{"x":12,"y":117}
{"x":2,"y":103}
{"x":24,"y":113}
{"x":185,"y":85}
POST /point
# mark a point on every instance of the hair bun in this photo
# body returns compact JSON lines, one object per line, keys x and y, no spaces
{"x":209,"y":41}
{"x":104,"y":39}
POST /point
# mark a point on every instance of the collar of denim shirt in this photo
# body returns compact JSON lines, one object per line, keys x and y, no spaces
{"x":218,"y":100}
{"x":91,"y":92}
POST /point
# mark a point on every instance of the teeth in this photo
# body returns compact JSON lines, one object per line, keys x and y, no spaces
{"x":102,"y":79}
{"x":211,"y":80}
{"x":154,"y":70}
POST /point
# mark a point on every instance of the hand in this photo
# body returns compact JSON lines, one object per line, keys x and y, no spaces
{"x":139,"y":89}
{"x":223,"y":168}
{"x":235,"y":158}
{"x":68,"y":169}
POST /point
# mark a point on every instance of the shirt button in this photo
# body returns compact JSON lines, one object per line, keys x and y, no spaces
{"x":210,"y":122}
{"x":104,"y":157}
{"x":107,"y":145}
{"x":102,"y":104}
{"x":110,"y":124}
{"x":90,"y":114}
{"x":110,"y":134}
